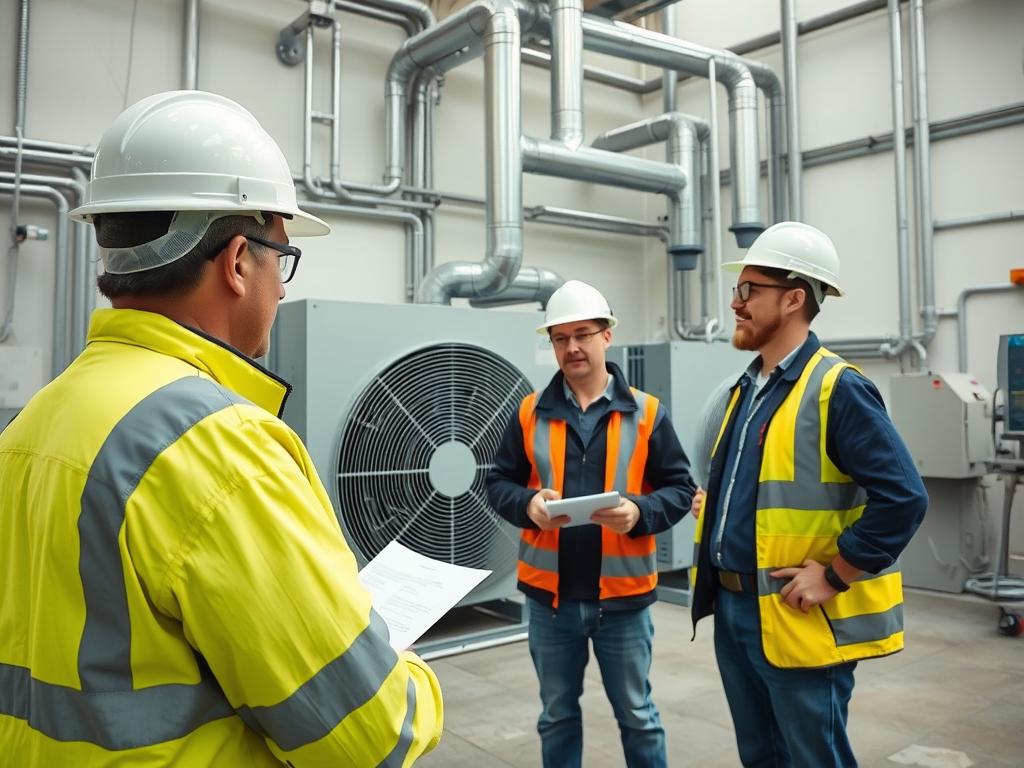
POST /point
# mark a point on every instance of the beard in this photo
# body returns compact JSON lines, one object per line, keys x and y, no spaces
{"x":751,"y":339}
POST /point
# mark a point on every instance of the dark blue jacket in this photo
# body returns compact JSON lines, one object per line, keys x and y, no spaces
{"x":579,"y":548}
{"x":861,"y":441}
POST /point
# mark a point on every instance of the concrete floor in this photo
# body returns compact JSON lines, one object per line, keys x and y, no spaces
{"x":958,"y":685}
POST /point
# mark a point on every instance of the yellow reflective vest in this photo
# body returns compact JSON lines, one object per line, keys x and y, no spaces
{"x":176,"y":589}
{"x":804,"y":502}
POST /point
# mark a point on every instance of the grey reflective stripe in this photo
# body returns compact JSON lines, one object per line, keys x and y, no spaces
{"x":541,"y":559}
{"x":807,"y":491}
{"x":613,"y":566}
{"x":807,"y":448}
{"x":163,"y":416}
{"x":629,"y":434}
{"x":868,"y":627}
{"x":542,"y":451}
{"x":397,"y":756}
{"x":767,"y":585}
{"x":114,"y":720}
{"x":829,"y":497}
{"x":108,"y":711}
{"x":331,"y":695}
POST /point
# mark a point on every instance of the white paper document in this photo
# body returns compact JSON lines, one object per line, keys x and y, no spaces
{"x":580,"y":508}
{"x":411,"y":591}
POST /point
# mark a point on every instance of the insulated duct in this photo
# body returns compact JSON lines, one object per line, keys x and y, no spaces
{"x":683,"y":136}
{"x":629,"y":42}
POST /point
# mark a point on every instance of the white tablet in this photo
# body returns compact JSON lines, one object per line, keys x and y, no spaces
{"x":580,"y":508}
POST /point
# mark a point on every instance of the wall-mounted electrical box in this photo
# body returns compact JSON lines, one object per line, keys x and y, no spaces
{"x":945,"y":420}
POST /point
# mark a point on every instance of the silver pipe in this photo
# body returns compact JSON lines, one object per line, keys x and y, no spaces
{"x":411,"y":220}
{"x":82,"y":288}
{"x":542,"y":59}
{"x":359,"y":8}
{"x":669,"y":78}
{"x":503,"y":155}
{"x":974,"y":221}
{"x":430,"y":244}
{"x":627,"y":41}
{"x":961,"y":315}
{"x":906,"y":328}
{"x":21,"y":73}
{"x":590,"y":220}
{"x":46,"y":158}
{"x":567,"y":217}
{"x":455,"y":40}
{"x":685,"y":135}
{"x":52,"y":146}
{"x":548,"y":158}
{"x":530,"y":284}
{"x":567,"y":72}
{"x":311,"y":184}
{"x":923,"y":171}
{"x":335,"y":117}
{"x":190,"y":55}
{"x":84,"y":271}
{"x":414,"y":10}
{"x":716,"y":204}
{"x":789,"y":44}
{"x":60,"y":278}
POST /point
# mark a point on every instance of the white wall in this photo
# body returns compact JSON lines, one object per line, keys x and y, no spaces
{"x":79,"y":62}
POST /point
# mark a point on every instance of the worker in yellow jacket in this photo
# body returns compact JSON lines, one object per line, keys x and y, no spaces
{"x":176,"y":588}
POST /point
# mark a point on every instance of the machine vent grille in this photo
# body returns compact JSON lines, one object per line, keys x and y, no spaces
{"x":415,"y":451}
{"x":635,"y":366}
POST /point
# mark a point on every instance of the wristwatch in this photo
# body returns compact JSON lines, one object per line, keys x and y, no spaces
{"x":834,"y":579}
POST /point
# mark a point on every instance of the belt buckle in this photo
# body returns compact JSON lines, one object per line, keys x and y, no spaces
{"x":730,"y":581}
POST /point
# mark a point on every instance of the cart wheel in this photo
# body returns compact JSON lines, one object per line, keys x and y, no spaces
{"x":1010,"y":624}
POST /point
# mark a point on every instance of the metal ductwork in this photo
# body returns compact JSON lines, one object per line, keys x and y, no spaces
{"x":627,"y":41}
{"x":684,"y":135}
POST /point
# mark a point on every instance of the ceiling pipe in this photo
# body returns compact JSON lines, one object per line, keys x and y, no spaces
{"x":789,"y":46}
{"x":669,"y":78}
{"x":530,"y":285}
{"x":495,"y":23}
{"x":627,"y":41}
{"x":894,"y":346}
{"x":190,"y":53}
{"x":567,"y":72}
{"x":923,"y":174}
{"x":542,"y":59}
{"x":961,"y":315}
{"x":684,"y":136}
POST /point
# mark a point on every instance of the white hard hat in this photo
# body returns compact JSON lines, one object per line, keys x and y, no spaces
{"x":192,"y":151}
{"x":575,"y":301}
{"x":800,"y":249}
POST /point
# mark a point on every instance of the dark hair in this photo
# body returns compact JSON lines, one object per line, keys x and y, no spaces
{"x":124,"y":230}
{"x":811,"y":308}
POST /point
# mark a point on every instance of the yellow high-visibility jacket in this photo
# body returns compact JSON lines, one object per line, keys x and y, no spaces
{"x":804,"y":503}
{"x":175,"y":587}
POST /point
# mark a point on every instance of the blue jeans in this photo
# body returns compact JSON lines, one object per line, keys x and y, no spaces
{"x":782,"y":717}
{"x":560,"y":648}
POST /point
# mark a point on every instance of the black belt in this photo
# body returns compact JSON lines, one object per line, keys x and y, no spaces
{"x":744,"y":583}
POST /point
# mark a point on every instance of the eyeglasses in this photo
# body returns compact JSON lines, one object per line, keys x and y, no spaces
{"x":741,"y":292}
{"x":288,"y":256}
{"x":561,"y":341}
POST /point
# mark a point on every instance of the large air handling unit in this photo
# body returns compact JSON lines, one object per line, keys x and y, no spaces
{"x":402,"y":408}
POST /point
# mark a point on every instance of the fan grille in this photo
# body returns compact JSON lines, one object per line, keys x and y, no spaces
{"x":415,"y":451}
